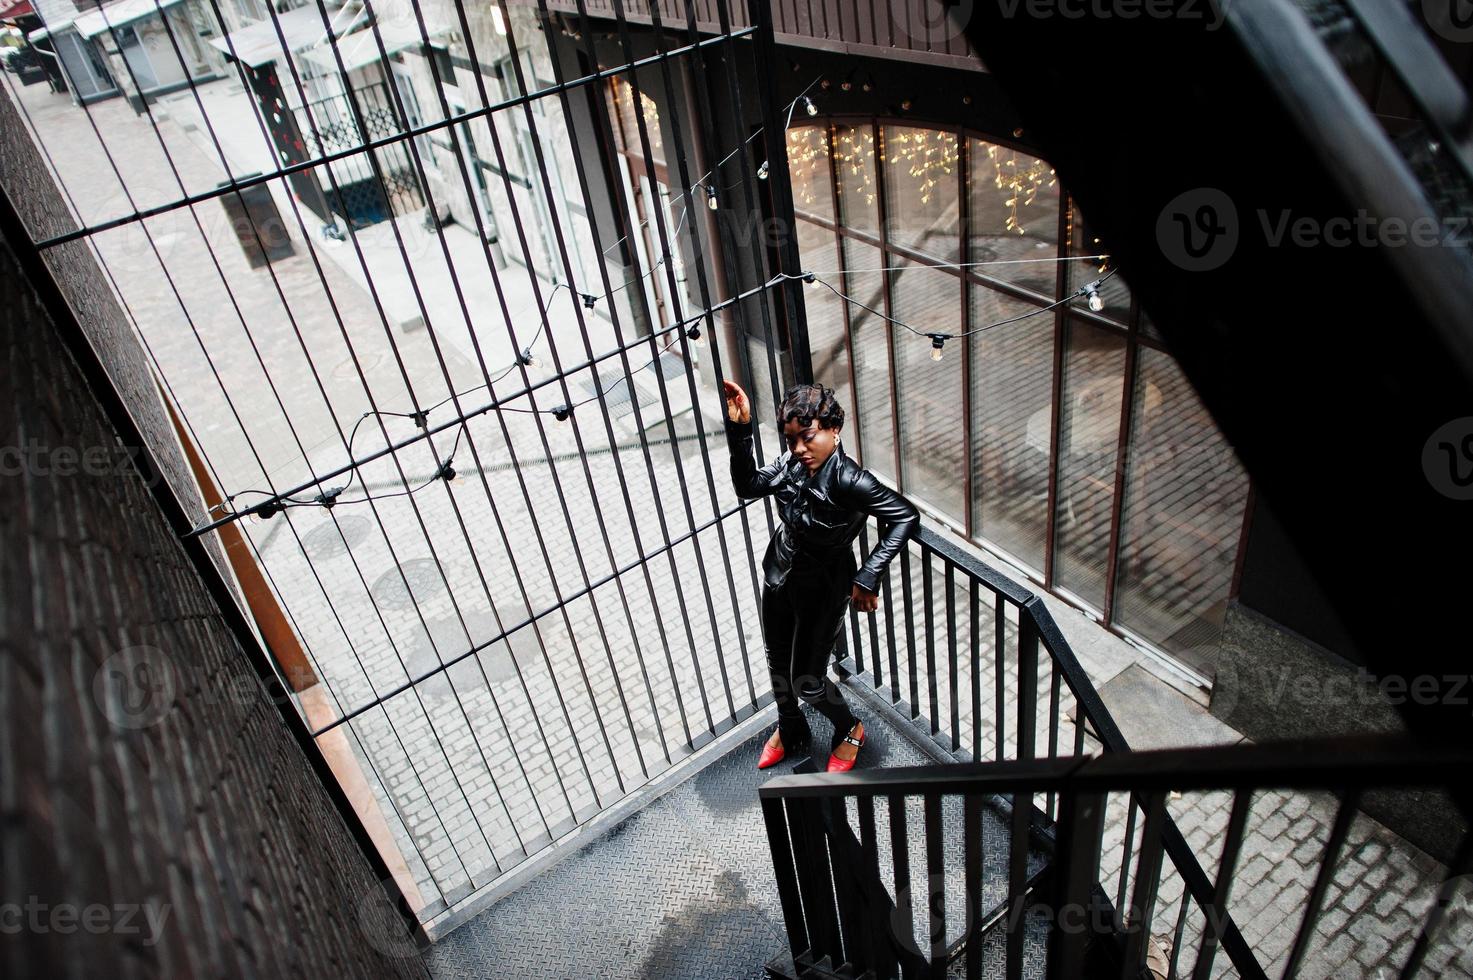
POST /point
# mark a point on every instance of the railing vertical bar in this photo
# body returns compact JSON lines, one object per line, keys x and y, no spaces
{"x":929,"y":619}
{"x":975,"y":606}
{"x":786,"y":874}
{"x":817,"y":886}
{"x":1338,"y":832}
{"x":895,"y":695}
{"x":1147,"y":886}
{"x":972,"y":834}
{"x":999,"y":623}
{"x":1076,"y":873}
{"x":1181,"y":926}
{"x":846,"y":887}
{"x":904,"y":887}
{"x":877,"y":924}
{"x":951,"y":654}
{"x":1231,"y":845}
{"x":910,"y":636}
{"x":1018,"y":881}
{"x":1027,"y":685}
{"x":935,"y":887}
{"x":1128,"y":848}
{"x":1053,"y":721}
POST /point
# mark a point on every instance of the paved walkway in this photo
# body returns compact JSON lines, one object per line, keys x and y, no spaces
{"x":479,"y":765}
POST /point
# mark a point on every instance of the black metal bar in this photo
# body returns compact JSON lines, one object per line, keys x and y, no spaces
{"x":814,"y":876}
{"x":878,"y":925}
{"x":1147,"y":886}
{"x":908,"y":609}
{"x":1127,"y":848}
{"x":1053,"y":723}
{"x":1027,"y":688}
{"x":975,"y":662}
{"x":999,"y":687}
{"x":935,"y":886}
{"x":951,"y":659}
{"x":1213,"y":910}
{"x":928,"y":618}
{"x":1018,"y":845}
{"x":461,"y":419}
{"x":244,"y":183}
{"x":1338,"y":832}
{"x":1176,"y":935}
{"x":904,"y":886}
{"x":847,"y":896}
{"x":972,"y":860}
{"x":1077,"y":870}
{"x":780,"y":186}
{"x":785,"y":872}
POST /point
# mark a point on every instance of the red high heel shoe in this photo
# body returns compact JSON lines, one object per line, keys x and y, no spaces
{"x":837,"y":764}
{"x":772,"y":756}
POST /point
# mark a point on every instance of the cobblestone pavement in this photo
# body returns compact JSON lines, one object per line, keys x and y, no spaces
{"x":485,"y":761}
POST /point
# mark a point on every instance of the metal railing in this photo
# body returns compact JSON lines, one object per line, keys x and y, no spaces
{"x":1028,"y":771}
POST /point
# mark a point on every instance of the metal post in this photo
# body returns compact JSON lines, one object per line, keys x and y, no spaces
{"x":780,"y":185}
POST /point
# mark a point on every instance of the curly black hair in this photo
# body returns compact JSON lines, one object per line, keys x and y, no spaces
{"x":808,"y":402}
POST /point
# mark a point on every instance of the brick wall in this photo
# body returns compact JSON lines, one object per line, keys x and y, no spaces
{"x":159,"y":817}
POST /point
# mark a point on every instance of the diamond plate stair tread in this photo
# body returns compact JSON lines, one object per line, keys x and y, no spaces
{"x":684,"y":888}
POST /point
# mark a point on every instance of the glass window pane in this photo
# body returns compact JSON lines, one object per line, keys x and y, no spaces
{"x":1089,"y":427}
{"x":1014,"y":217}
{"x":854,"y":161}
{"x":808,"y":163}
{"x":1012,"y":406}
{"x":1184,"y":497}
{"x":628,"y":121}
{"x":1114,"y":291}
{"x":929,"y":393}
{"x":817,"y":249}
{"x":922,"y":191}
{"x":870,"y":343}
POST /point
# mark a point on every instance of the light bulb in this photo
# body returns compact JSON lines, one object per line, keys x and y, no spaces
{"x":762,"y":171}
{"x":937,"y":342}
{"x":711,"y":197}
{"x":1096,"y":301}
{"x":809,"y":107}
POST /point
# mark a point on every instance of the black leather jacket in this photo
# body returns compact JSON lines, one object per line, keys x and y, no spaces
{"x":822,"y":513}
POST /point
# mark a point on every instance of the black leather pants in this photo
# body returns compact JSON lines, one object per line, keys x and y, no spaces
{"x":801,"y":623}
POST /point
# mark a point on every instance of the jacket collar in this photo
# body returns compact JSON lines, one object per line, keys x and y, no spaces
{"x":821,"y":483}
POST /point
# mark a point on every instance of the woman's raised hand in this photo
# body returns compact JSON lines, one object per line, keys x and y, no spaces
{"x":738,"y":408}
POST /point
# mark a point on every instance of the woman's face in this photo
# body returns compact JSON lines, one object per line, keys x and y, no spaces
{"x":810,"y":444}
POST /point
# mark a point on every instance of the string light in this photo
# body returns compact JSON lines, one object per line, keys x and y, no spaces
{"x":1096,"y":301}
{"x":762,"y":171}
{"x":938,"y":340}
{"x":588,"y":300}
{"x":808,"y":105}
{"x":711,"y":197}
{"x":527,"y":358}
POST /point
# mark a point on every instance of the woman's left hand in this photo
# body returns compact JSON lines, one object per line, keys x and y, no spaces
{"x":864,"y":600}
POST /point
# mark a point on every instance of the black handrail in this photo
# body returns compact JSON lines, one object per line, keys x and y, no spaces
{"x":1078,"y":782}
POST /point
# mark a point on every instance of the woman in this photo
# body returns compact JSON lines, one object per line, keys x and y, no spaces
{"x":810,"y":574}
